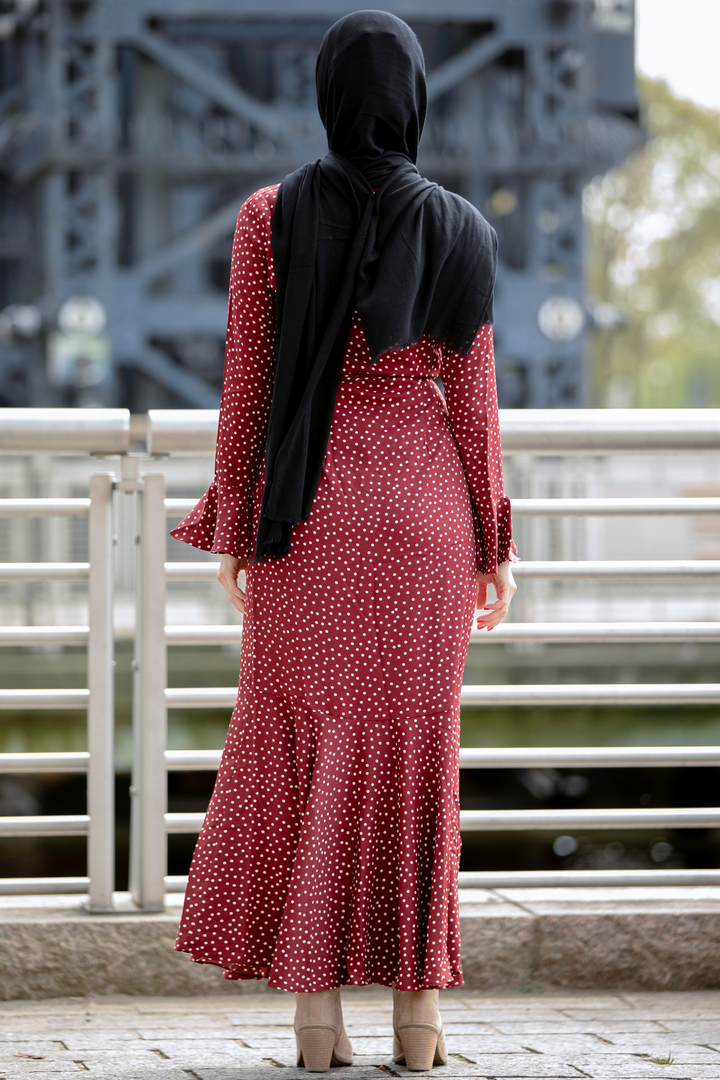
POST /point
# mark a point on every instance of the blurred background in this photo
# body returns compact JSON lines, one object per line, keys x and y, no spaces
{"x":588,"y":133}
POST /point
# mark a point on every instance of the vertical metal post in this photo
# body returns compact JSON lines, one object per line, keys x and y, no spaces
{"x":100,"y":720}
{"x":148,"y":857}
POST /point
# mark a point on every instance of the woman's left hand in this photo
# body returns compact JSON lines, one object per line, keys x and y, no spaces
{"x":505,"y":588}
{"x":228,"y":575}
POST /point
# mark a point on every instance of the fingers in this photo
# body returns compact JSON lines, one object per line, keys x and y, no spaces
{"x":235,"y":594}
{"x":495,"y":614}
{"x":505,"y":589}
{"x":481,"y":595}
{"x":227,"y":575}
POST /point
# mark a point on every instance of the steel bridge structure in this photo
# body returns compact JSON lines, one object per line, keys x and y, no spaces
{"x":130,"y":134}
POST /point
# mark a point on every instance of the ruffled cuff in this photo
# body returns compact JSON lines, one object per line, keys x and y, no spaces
{"x":220,"y":523}
{"x":506,"y":544}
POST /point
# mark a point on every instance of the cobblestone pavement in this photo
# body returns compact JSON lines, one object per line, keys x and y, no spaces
{"x":548,"y":1035}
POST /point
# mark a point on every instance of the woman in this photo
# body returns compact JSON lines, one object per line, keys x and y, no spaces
{"x":368,"y":513}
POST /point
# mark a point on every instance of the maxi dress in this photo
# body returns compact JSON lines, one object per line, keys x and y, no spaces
{"x":330,"y":849}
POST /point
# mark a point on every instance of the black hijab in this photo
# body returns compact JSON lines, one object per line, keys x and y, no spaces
{"x":413,"y":258}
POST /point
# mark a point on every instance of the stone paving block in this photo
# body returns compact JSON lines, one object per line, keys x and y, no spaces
{"x":269,"y":1072}
{"x":485,"y":1044}
{"x":41,"y":1069}
{"x":632,"y":1042}
{"x":683,"y":1000}
{"x":180,"y":1031}
{"x":215,"y":1052}
{"x":638,"y":1069}
{"x":645,"y":1016}
{"x":197,"y":1041}
{"x":562,"y":1027}
{"x":209,"y":1020}
{"x":522,"y":1065}
{"x":657,"y":1046}
{"x":117,"y":1072}
{"x":214,"y":1004}
{"x":119,"y":1041}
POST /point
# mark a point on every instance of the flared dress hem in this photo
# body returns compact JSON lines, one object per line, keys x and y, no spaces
{"x":456,"y":979}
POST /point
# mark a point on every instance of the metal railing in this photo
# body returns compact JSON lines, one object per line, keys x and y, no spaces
{"x":70,"y":431}
{"x":193,"y":432}
{"x":553,"y":432}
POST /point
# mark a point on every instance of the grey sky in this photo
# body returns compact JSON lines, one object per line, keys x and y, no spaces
{"x":679,"y":40}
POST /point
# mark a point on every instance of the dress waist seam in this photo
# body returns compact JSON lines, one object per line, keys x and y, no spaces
{"x":372,"y":375}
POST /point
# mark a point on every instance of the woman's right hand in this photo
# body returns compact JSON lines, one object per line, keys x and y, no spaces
{"x":505,"y":588}
{"x":228,"y":574}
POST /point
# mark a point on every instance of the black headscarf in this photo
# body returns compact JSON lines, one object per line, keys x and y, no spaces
{"x":413,"y":258}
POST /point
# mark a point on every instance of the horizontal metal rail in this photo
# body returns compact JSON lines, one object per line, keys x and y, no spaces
{"x":47,"y":571}
{"x":52,"y":762}
{"x":183,"y":823}
{"x":543,"y":879}
{"x":573,"y":879}
{"x":45,"y":825}
{"x":42,"y":886}
{"x":44,"y":699}
{"x":181,"y":431}
{"x":589,"y":757}
{"x":643,"y":507}
{"x":44,"y":635}
{"x":705,"y":817}
{"x":224,"y":697}
{"x":646,"y":507}
{"x":191,"y":571}
{"x":190,"y":760}
{"x":542,"y":757}
{"x":599,"y":633}
{"x":539,"y":820}
{"x":226,"y":634}
{"x":64,"y":431}
{"x":604,"y":431}
{"x":523,"y":431}
{"x":593,"y":694}
{"x":176,"y":883}
{"x":550,"y":633}
{"x":606,"y":570}
{"x":22,"y":508}
{"x":616,"y":569}
{"x":179,"y":507}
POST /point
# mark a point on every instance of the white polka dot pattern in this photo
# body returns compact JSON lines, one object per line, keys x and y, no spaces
{"x":331,"y":845}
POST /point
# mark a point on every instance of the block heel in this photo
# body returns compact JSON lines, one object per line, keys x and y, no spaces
{"x":315,"y":1045}
{"x":419,"y":1044}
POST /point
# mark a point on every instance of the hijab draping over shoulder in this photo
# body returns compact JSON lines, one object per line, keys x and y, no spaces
{"x":361,"y":228}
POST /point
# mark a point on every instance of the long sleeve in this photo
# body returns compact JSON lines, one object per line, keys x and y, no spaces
{"x":222,"y":520}
{"x":471,"y":397}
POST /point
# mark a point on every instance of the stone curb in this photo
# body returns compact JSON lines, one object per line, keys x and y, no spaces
{"x":515,"y":939}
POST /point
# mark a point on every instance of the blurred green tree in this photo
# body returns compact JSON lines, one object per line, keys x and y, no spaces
{"x":653,"y":263}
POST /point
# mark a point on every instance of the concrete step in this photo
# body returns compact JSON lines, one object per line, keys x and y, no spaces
{"x":582,"y":938}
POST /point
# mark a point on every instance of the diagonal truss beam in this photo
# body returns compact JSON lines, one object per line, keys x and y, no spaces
{"x":269,"y":119}
{"x":447,"y":75}
{"x":161,"y":369}
{"x":180,"y":63}
{"x":200,"y":236}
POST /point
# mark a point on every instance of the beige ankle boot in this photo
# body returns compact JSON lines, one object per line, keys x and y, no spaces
{"x":319,"y":1031}
{"x":419,"y":1039}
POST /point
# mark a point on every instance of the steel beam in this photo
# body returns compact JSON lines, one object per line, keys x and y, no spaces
{"x":220,"y":90}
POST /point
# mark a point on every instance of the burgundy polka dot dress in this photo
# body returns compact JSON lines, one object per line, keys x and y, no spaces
{"x":330,"y":849}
